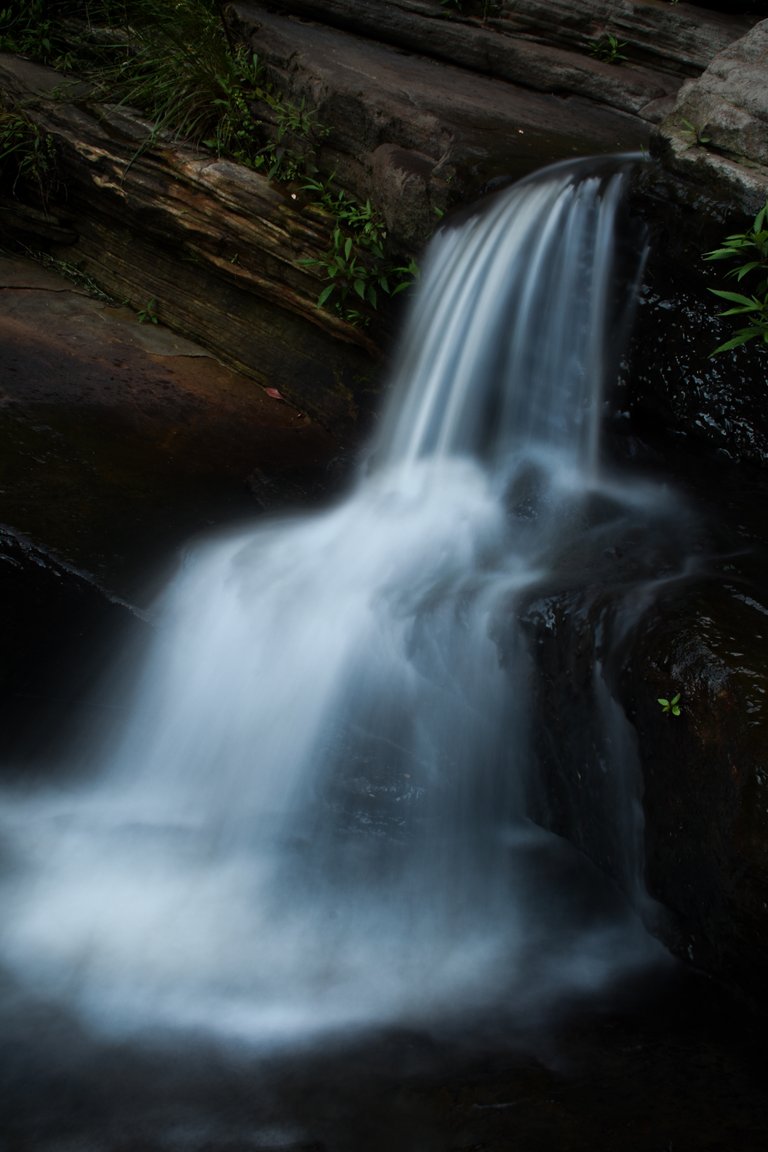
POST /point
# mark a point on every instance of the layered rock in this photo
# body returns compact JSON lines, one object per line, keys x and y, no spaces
{"x":491,"y":37}
{"x":423,"y":110}
{"x":216,"y":246}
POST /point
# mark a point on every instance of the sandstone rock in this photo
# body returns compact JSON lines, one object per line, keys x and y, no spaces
{"x":716,"y":137}
{"x":216,"y":245}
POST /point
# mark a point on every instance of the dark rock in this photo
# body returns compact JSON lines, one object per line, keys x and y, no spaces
{"x":59,"y":632}
{"x":675,"y":390}
{"x":706,"y":773}
{"x":538,"y":43}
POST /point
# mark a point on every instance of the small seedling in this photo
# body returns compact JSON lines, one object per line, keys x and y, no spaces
{"x":696,"y":135}
{"x":608,"y":49}
{"x":670,"y":707}
{"x":148,"y":314}
{"x":750,"y":252}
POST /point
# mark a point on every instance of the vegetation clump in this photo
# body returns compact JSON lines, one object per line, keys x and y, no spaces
{"x":748,"y":251}
{"x":28,"y":156}
{"x":608,"y":48}
{"x":356,"y":266}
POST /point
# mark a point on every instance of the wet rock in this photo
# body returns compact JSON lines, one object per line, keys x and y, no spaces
{"x":675,"y":390}
{"x":706,"y":773}
{"x":59,"y":628}
{"x":121,"y":440}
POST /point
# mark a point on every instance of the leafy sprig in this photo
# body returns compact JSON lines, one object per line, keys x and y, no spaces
{"x":750,"y":248}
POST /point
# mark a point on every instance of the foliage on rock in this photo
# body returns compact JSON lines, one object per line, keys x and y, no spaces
{"x":749,"y":251}
{"x":27,"y":154}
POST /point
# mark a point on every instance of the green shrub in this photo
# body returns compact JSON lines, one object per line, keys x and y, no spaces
{"x":749,"y":251}
{"x":356,"y":267}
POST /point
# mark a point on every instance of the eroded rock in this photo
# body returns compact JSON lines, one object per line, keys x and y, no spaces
{"x":716,"y":138}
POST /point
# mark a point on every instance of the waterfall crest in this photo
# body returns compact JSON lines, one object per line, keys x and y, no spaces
{"x":321,"y":812}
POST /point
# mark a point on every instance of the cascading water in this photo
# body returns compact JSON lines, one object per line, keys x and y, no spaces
{"x":319,"y":814}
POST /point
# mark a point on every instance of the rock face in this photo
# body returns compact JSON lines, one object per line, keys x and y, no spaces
{"x":415,"y":134}
{"x":216,"y":246}
{"x":423,"y":106}
{"x":520,"y":85}
{"x":716,"y":138}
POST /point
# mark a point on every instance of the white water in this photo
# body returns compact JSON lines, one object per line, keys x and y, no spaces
{"x":319,"y":813}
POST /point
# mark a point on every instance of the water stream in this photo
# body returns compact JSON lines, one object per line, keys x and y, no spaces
{"x":324,"y":810}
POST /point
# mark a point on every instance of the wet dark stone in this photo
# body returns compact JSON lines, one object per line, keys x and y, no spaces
{"x":673,"y":386}
{"x":60,"y":633}
{"x":706,"y":771}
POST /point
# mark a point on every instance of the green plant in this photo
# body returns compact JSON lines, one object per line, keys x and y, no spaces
{"x":750,"y":249}
{"x":51,"y":31}
{"x":356,"y":267}
{"x":279,"y":141}
{"x":670,"y":707}
{"x":695,"y":134}
{"x":608,"y":49}
{"x":148,"y":314}
{"x":25,"y":31}
{"x":179,"y":66}
{"x":27,"y":154}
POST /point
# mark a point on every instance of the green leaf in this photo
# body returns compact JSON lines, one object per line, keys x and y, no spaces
{"x":348,"y":247}
{"x":736,"y":298}
{"x":742,"y":338}
{"x":740,"y":273}
{"x":359,"y":287}
{"x":325,"y":295}
{"x":756,"y":307}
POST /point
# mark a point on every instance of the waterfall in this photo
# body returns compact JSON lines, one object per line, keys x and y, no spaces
{"x":326,"y":808}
